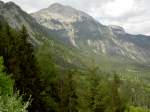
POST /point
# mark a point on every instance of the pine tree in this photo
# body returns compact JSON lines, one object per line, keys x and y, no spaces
{"x":28,"y":82}
{"x":67,"y":93}
{"x":98,"y":90}
{"x":20,"y":62}
{"x":116,"y":103}
{"x":90,"y":91}
{"x":49,"y":75}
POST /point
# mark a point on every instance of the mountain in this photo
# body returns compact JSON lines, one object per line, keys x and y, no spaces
{"x":65,"y":21}
{"x":77,"y":36}
{"x":80,"y":30}
{"x":64,"y":56}
{"x":16,"y":18}
{"x":117,"y":29}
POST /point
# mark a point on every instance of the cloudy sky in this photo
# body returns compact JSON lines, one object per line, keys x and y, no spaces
{"x":133,"y":15}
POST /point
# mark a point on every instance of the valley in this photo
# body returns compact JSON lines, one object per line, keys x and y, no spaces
{"x":63,"y":53}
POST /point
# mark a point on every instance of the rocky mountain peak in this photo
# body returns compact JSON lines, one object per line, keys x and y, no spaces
{"x":76,"y":28}
{"x":62,"y":9}
{"x":56,"y":5}
{"x":9,"y":6}
{"x":12,"y":5}
{"x":1,"y":2}
{"x":61,"y":13}
{"x":117,"y":29}
{"x":61,"y":6}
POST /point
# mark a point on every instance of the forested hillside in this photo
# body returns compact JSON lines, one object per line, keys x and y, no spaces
{"x":61,"y":59}
{"x":38,"y":82}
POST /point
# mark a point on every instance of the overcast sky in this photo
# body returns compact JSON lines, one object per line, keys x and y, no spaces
{"x":133,"y":15}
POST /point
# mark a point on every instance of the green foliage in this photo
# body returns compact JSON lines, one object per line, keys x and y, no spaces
{"x":48,"y":75}
{"x":9,"y":102}
{"x":46,"y":64}
{"x":6,"y":82}
{"x":19,"y":61}
{"x":67,"y":93}
{"x":97,"y":93}
{"x":138,"y":109}
{"x":53,"y":84}
{"x":59,"y":85}
{"x":117,"y":104}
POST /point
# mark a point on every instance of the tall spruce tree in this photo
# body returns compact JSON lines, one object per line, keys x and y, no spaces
{"x":20,"y":62}
{"x":67,"y":93}
{"x":49,"y":75}
{"x":29,"y":82}
{"x":117,"y":104}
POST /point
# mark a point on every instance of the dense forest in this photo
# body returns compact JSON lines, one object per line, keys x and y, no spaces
{"x":31,"y":81}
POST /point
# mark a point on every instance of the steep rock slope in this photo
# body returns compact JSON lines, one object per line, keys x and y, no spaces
{"x":16,"y":18}
{"x":80,"y":30}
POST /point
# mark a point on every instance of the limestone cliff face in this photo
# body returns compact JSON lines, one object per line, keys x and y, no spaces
{"x":84,"y":32}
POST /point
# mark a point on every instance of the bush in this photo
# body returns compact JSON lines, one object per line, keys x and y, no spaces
{"x":9,"y":102}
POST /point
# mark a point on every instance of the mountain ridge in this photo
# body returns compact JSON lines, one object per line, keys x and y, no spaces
{"x":86,"y":33}
{"x":81,"y":31}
